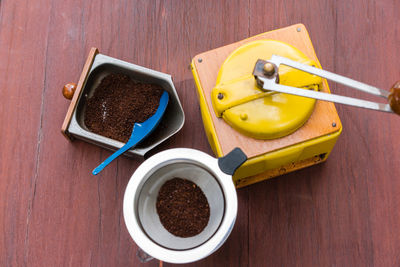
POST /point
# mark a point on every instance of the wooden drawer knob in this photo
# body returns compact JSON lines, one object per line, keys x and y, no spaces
{"x":394,"y":98}
{"x":69,"y":90}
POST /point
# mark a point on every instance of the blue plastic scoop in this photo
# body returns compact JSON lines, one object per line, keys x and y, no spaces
{"x":139,"y":132}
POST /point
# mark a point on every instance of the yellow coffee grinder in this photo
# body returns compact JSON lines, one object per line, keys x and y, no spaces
{"x":260,"y":94}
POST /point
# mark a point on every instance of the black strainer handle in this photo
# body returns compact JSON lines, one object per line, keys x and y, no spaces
{"x":230,"y":162}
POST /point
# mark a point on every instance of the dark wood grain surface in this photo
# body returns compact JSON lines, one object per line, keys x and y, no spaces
{"x":53,"y":212}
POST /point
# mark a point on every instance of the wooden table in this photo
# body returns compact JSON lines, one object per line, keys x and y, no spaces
{"x":53,"y":212}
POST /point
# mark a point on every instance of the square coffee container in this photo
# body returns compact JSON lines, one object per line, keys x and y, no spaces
{"x":95,"y":69}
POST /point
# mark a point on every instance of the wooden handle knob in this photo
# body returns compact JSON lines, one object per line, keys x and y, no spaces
{"x":394,"y":98}
{"x":69,"y":90}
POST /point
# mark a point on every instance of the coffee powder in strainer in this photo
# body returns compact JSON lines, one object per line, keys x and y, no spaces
{"x":182,"y":207}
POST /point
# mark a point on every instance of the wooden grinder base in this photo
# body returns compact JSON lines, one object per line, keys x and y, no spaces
{"x":322,"y":122}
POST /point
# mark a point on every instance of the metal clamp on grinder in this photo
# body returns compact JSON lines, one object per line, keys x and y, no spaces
{"x":278,"y":132}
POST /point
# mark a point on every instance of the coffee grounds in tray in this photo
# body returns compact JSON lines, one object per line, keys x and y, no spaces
{"x":182,"y":207}
{"x":118,"y":103}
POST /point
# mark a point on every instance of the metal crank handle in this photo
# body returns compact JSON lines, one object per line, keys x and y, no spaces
{"x":278,"y":60}
{"x":392,"y":107}
{"x":266,"y":73}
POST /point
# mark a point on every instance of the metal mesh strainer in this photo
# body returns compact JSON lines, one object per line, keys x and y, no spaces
{"x":149,"y":218}
{"x":214,"y":178}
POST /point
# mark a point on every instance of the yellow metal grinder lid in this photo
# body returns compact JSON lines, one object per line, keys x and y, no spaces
{"x":257,"y":113}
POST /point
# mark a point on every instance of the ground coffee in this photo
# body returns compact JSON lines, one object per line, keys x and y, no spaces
{"x":182,"y":207}
{"x":117,"y":103}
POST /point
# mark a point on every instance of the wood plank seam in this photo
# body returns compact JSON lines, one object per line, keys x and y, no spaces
{"x":39,"y":142}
